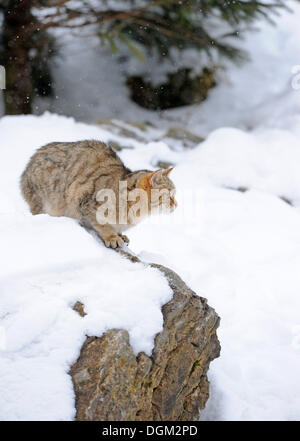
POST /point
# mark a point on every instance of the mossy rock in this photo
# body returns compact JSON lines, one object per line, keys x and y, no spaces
{"x":163,"y":164}
{"x":126,"y":129}
{"x":182,"y":134}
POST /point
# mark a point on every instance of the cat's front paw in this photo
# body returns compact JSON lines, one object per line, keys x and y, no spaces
{"x":125,"y":238}
{"x":114,"y":241}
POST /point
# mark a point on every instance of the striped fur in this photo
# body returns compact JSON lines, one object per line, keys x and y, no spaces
{"x":63,"y":179}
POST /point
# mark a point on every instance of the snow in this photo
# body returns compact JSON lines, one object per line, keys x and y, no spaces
{"x":46,"y":265}
{"x":244,"y":258}
{"x":239,"y":249}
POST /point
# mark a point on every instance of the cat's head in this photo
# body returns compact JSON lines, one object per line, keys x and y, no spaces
{"x":160,"y":190}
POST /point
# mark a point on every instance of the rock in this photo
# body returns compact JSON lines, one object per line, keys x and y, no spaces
{"x":79,"y":308}
{"x":182,"y":134}
{"x":163,"y":164}
{"x":183,"y":137}
{"x":175,"y":137}
{"x":112,"y":384}
{"x":124,"y":129}
{"x":240,"y":189}
{"x":286,"y":200}
{"x":180,"y":88}
{"x":117,"y":147}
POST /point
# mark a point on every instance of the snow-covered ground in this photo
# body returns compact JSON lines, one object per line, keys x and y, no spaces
{"x":239,"y":249}
{"x":46,"y":265}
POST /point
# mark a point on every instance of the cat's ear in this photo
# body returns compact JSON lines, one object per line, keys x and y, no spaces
{"x":155,"y":177}
{"x":167,"y":172}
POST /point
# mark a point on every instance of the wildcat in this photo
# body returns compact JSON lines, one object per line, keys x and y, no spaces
{"x":64,"y":178}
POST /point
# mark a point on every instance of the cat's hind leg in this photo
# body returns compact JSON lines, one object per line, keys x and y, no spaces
{"x":36,"y":206}
{"x":31,"y":197}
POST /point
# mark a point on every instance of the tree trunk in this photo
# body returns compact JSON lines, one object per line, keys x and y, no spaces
{"x":17,"y":37}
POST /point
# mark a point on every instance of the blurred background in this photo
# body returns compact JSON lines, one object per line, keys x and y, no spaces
{"x":143,"y":61}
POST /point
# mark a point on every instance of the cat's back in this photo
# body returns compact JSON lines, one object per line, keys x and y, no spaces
{"x":72,"y":159}
{"x":66,"y":153}
{"x":59,"y":173}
